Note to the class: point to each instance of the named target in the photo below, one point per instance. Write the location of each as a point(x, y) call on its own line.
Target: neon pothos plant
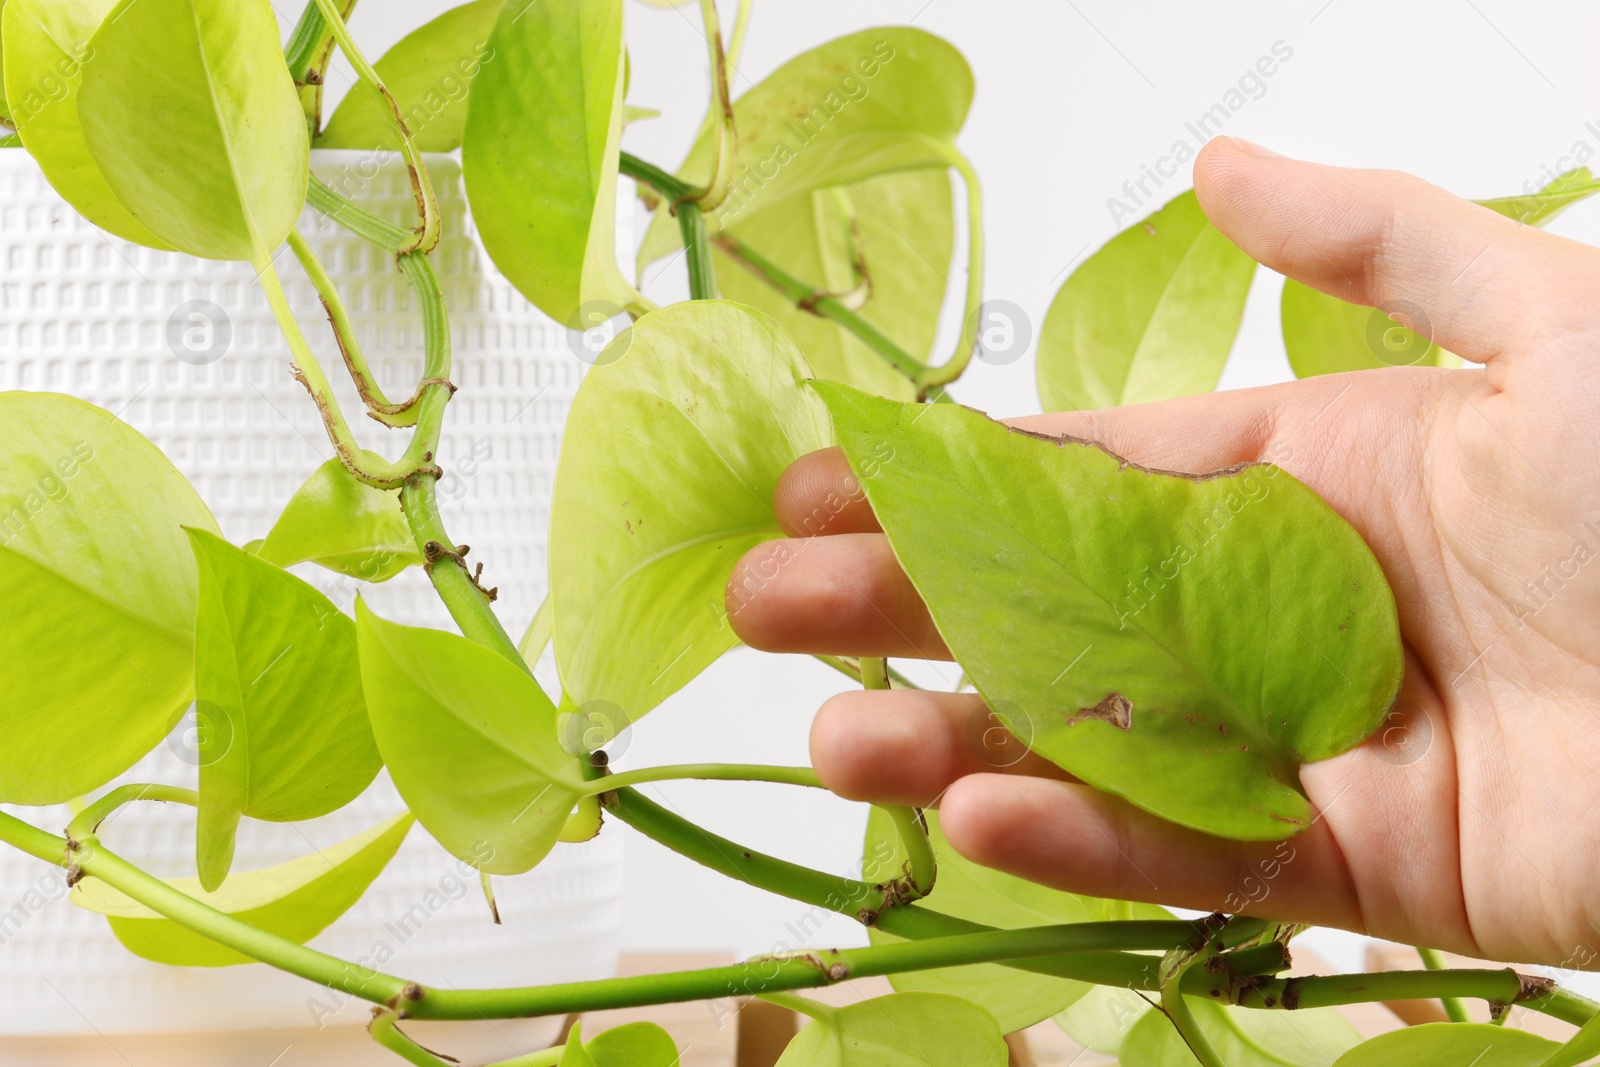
point(126, 605)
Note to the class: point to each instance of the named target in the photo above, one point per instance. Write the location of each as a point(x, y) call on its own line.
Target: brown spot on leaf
point(1115, 709)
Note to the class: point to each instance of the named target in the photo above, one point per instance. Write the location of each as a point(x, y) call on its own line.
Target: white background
point(1074, 97)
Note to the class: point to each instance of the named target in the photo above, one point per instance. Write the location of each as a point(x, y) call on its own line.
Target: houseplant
point(675, 443)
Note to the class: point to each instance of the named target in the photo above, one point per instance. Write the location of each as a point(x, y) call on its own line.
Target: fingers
point(907, 746)
point(1474, 281)
point(819, 495)
point(843, 595)
point(1075, 838)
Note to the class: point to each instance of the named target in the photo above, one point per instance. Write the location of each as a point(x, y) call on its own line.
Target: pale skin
point(1476, 834)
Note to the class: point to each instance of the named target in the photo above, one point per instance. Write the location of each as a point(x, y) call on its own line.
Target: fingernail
point(1252, 149)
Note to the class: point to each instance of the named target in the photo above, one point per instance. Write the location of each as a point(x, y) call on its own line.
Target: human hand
point(1479, 493)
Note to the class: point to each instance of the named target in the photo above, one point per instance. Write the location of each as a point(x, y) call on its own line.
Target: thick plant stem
point(87, 822)
point(697, 250)
point(932, 381)
point(459, 588)
point(823, 305)
point(426, 234)
point(379, 407)
point(719, 772)
point(1453, 1008)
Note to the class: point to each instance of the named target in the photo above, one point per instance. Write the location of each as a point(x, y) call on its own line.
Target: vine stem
point(87, 822)
point(679, 194)
point(720, 772)
point(931, 382)
point(1453, 1008)
point(306, 54)
point(921, 868)
point(457, 587)
point(395, 416)
point(426, 234)
point(719, 114)
point(809, 298)
point(850, 667)
point(366, 467)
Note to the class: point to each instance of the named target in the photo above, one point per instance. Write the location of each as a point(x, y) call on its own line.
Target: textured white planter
point(187, 352)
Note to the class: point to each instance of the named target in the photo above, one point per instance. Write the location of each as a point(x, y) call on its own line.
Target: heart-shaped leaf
point(899, 1030)
point(963, 889)
point(1192, 668)
point(1325, 335)
point(339, 523)
point(1246, 1037)
point(429, 73)
point(98, 585)
point(278, 685)
point(46, 44)
point(906, 228)
point(1452, 1045)
point(1151, 315)
point(539, 152)
point(471, 742)
point(193, 120)
point(296, 900)
point(673, 449)
point(874, 102)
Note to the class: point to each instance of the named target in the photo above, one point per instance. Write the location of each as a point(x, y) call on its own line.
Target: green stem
point(1453, 1008)
point(306, 54)
point(1179, 963)
point(352, 216)
point(388, 1035)
point(933, 380)
point(809, 298)
point(850, 667)
point(426, 234)
point(395, 416)
point(921, 869)
point(799, 1005)
point(10, 140)
point(697, 249)
point(88, 821)
point(741, 23)
point(457, 588)
point(719, 114)
point(720, 772)
point(671, 187)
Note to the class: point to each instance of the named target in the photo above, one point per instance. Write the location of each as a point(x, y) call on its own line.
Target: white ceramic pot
point(187, 352)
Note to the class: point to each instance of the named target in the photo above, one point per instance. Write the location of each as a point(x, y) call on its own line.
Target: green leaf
point(1585, 1045)
point(871, 103)
point(1247, 1037)
point(206, 147)
point(277, 680)
point(539, 152)
point(965, 890)
point(296, 900)
point(631, 1045)
point(98, 585)
point(471, 742)
point(1326, 335)
point(1535, 209)
point(1452, 1045)
point(673, 449)
point(338, 523)
point(1151, 315)
point(429, 73)
point(907, 234)
point(899, 1030)
point(46, 46)
point(1191, 669)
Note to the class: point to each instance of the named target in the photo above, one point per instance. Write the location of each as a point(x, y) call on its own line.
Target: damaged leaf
point(1219, 631)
